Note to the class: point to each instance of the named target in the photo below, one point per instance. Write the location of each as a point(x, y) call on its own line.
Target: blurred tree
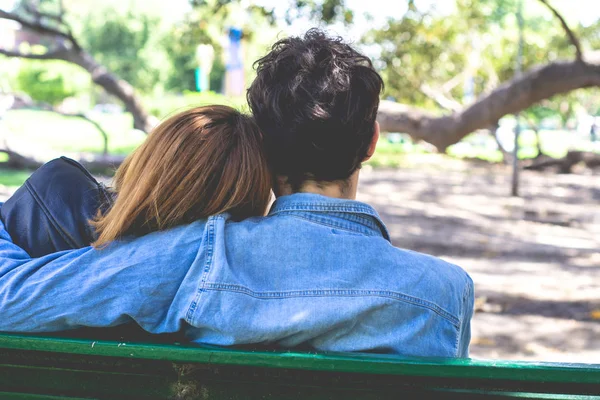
point(122, 42)
point(45, 34)
point(534, 116)
point(47, 83)
point(190, 32)
point(460, 64)
point(478, 41)
point(207, 23)
point(326, 11)
point(455, 63)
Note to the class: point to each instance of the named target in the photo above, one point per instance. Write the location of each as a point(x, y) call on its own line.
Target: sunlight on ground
point(534, 260)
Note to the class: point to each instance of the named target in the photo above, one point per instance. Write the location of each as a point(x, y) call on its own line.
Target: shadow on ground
point(535, 259)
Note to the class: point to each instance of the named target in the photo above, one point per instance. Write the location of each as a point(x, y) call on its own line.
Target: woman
point(200, 162)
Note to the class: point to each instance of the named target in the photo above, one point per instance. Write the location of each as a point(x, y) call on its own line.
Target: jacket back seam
point(335, 292)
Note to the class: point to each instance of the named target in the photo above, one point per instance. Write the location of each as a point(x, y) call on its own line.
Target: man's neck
point(337, 189)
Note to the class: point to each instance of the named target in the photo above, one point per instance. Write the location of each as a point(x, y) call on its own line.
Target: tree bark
point(120, 88)
point(565, 165)
point(104, 164)
point(511, 97)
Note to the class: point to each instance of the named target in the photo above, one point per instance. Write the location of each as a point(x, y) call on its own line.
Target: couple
point(182, 244)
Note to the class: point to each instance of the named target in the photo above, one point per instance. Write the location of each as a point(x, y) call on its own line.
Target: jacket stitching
point(209, 235)
point(80, 168)
point(332, 224)
point(366, 221)
point(377, 229)
point(326, 207)
point(338, 292)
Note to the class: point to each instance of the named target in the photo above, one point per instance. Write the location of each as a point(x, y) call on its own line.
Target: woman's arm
point(137, 280)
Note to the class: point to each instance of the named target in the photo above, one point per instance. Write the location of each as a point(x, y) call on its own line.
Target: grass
point(402, 153)
point(54, 131)
point(48, 130)
point(12, 178)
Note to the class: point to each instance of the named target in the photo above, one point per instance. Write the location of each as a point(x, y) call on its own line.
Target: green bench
point(54, 368)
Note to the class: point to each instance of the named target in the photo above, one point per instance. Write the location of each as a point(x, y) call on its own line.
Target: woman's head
point(198, 163)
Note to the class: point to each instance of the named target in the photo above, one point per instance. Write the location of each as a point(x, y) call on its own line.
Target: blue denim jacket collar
point(350, 215)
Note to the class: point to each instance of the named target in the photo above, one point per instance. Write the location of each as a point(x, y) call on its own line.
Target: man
point(318, 272)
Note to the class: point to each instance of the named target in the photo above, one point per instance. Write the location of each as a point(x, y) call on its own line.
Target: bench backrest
point(48, 368)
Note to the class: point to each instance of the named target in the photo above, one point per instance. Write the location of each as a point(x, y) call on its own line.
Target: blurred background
point(490, 157)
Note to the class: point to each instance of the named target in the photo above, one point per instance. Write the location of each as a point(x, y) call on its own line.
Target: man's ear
point(373, 144)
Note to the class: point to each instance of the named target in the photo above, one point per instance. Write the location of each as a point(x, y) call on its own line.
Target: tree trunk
point(493, 131)
point(115, 86)
point(513, 96)
point(538, 142)
point(104, 164)
point(565, 165)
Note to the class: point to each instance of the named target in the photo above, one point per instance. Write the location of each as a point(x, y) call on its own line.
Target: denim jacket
point(316, 272)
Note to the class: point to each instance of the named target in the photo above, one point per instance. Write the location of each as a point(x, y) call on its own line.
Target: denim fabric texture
point(317, 272)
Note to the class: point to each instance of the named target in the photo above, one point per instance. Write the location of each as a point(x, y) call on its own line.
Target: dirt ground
point(535, 260)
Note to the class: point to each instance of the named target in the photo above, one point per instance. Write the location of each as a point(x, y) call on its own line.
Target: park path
point(535, 260)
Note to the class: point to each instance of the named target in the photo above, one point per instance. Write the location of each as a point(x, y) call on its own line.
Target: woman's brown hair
point(198, 163)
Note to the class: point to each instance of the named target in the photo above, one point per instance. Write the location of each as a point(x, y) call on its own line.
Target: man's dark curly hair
point(315, 98)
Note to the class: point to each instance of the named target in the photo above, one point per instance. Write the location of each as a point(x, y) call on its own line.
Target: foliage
point(536, 114)
point(327, 11)
point(477, 42)
point(405, 69)
point(430, 50)
point(180, 45)
point(126, 45)
point(207, 23)
point(51, 82)
point(169, 103)
point(10, 177)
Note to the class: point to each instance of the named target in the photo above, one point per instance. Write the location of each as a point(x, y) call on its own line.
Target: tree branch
point(19, 161)
point(40, 28)
point(440, 98)
point(52, 55)
point(77, 55)
point(454, 82)
point(572, 37)
point(101, 164)
point(39, 15)
point(518, 94)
